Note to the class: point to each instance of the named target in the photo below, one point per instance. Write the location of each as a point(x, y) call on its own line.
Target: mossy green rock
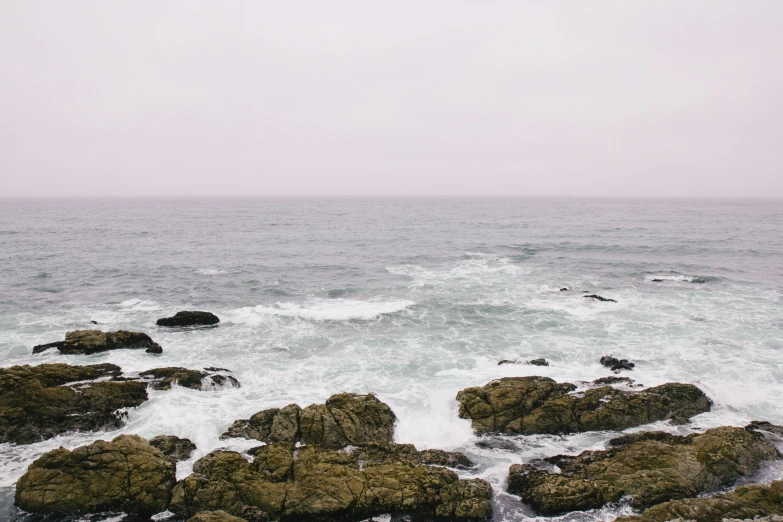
point(531, 405)
point(95, 341)
point(746, 502)
point(126, 474)
point(314, 483)
point(41, 402)
point(650, 468)
point(346, 418)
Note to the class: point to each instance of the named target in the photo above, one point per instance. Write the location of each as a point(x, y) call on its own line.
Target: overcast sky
point(577, 98)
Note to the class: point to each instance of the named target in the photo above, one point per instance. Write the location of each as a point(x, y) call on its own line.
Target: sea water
point(412, 300)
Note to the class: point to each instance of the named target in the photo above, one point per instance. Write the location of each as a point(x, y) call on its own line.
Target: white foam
point(210, 271)
point(325, 309)
point(139, 305)
point(679, 278)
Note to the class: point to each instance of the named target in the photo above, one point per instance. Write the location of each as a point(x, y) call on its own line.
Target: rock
point(746, 502)
point(656, 280)
point(314, 483)
point(647, 468)
point(530, 405)
point(599, 298)
point(497, 443)
point(616, 364)
point(95, 341)
point(94, 322)
point(215, 516)
point(539, 362)
point(174, 447)
point(613, 380)
point(346, 418)
point(564, 289)
point(126, 474)
point(507, 361)
point(213, 369)
point(765, 427)
point(41, 402)
point(163, 378)
point(189, 319)
point(375, 453)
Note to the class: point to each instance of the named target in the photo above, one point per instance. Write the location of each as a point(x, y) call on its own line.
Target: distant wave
point(679, 278)
point(328, 309)
point(209, 271)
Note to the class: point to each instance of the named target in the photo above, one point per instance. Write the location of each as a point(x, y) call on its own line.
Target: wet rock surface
point(215, 516)
point(41, 402)
point(346, 418)
point(599, 298)
point(531, 405)
point(164, 378)
point(649, 468)
point(744, 503)
point(314, 483)
point(172, 446)
point(126, 474)
point(534, 362)
point(615, 364)
point(95, 341)
point(189, 318)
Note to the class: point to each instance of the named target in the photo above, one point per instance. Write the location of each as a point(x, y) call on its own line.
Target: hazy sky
point(595, 98)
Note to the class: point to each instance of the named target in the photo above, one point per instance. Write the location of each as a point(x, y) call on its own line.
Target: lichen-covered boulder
point(314, 483)
point(745, 503)
point(189, 318)
point(378, 453)
point(163, 378)
point(215, 516)
point(126, 474)
point(530, 405)
point(173, 446)
point(41, 402)
point(346, 418)
point(95, 341)
point(648, 467)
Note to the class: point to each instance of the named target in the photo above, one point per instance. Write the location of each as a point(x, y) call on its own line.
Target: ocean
point(411, 299)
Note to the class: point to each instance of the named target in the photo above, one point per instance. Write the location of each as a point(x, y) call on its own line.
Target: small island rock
point(94, 341)
point(189, 318)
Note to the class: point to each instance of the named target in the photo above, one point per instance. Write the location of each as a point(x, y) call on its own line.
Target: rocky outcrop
point(313, 483)
point(95, 341)
point(189, 319)
point(599, 298)
point(375, 453)
point(649, 468)
point(163, 378)
point(346, 418)
point(126, 474)
point(534, 362)
point(41, 402)
point(215, 516)
point(746, 502)
point(174, 447)
point(615, 364)
point(530, 405)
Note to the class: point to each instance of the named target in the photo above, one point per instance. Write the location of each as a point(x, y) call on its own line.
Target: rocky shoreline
point(338, 461)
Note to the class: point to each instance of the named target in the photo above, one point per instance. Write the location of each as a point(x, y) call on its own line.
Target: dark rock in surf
point(746, 503)
point(656, 280)
point(41, 402)
point(534, 362)
point(126, 474)
point(564, 289)
point(531, 405)
point(163, 378)
point(539, 362)
point(94, 322)
point(313, 483)
point(346, 418)
point(615, 364)
point(191, 318)
point(507, 361)
point(603, 381)
point(647, 468)
point(94, 341)
point(174, 447)
point(213, 369)
point(599, 298)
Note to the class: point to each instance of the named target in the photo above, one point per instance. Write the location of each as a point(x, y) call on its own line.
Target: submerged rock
point(189, 319)
point(649, 468)
point(539, 362)
point(534, 362)
point(174, 447)
point(530, 405)
point(95, 341)
point(163, 378)
point(215, 516)
point(615, 364)
point(599, 298)
point(126, 474)
point(346, 418)
point(41, 402)
point(314, 483)
point(746, 502)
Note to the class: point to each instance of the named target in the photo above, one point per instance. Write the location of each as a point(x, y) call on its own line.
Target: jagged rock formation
point(126, 474)
point(615, 364)
point(174, 447)
point(163, 378)
point(530, 405)
point(41, 402)
point(346, 418)
point(314, 483)
point(95, 341)
point(189, 319)
point(650, 468)
point(534, 362)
